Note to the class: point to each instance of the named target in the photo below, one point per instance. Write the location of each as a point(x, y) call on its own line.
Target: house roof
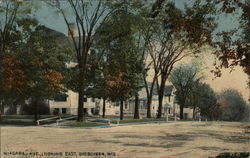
point(50, 32)
point(143, 94)
point(167, 91)
point(60, 37)
point(145, 98)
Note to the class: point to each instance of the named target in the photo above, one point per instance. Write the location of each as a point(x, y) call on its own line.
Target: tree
point(203, 99)
point(232, 104)
point(12, 12)
point(123, 67)
point(233, 47)
point(88, 16)
point(97, 77)
point(146, 29)
point(209, 107)
point(35, 72)
point(143, 28)
point(179, 33)
point(13, 80)
point(195, 97)
point(13, 26)
point(184, 78)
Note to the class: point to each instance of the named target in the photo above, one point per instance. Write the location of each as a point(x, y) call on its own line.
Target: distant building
point(68, 104)
point(168, 102)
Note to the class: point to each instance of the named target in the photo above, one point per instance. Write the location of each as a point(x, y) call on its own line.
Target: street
point(175, 139)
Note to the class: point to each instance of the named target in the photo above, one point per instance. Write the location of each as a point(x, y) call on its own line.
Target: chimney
point(72, 30)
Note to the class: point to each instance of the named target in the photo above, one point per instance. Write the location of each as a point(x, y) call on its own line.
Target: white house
point(68, 104)
point(169, 105)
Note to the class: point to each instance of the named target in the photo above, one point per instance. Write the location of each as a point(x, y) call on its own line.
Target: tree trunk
point(149, 107)
point(149, 97)
point(181, 111)
point(194, 112)
point(160, 106)
point(1, 110)
point(103, 107)
point(121, 110)
point(81, 96)
point(136, 113)
point(14, 108)
point(35, 104)
point(160, 95)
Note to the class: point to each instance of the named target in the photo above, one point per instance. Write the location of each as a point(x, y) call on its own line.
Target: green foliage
point(84, 124)
point(184, 78)
point(45, 54)
point(15, 26)
point(233, 47)
point(15, 18)
point(28, 109)
point(233, 106)
point(122, 71)
point(35, 67)
point(204, 98)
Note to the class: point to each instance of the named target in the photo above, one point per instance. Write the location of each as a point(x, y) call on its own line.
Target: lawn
point(114, 120)
point(17, 123)
point(141, 120)
point(83, 124)
point(104, 122)
point(27, 120)
point(30, 116)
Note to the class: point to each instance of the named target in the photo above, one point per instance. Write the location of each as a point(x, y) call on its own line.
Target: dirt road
point(175, 139)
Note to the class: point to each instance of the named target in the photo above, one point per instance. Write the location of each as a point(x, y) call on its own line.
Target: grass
point(141, 120)
point(117, 117)
point(84, 124)
point(105, 122)
point(130, 120)
point(14, 123)
point(31, 116)
point(102, 122)
point(27, 120)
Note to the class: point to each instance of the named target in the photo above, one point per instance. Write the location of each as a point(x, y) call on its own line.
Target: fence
point(47, 119)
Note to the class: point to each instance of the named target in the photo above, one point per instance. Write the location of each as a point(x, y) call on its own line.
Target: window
point(64, 110)
point(126, 104)
point(141, 103)
point(56, 111)
point(85, 110)
point(85, 99)
point(145, 104)
point(93, 99)
point(117, 103)
point(92, 111)
point(62, 97)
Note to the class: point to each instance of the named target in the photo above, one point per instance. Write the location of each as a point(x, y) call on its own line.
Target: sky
point(236, 79)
